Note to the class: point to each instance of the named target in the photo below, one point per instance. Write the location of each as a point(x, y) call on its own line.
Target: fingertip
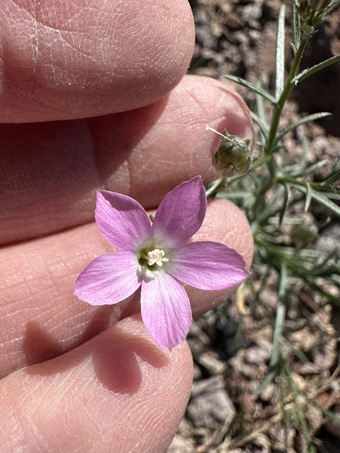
point(71, 60)
point(178, 147)
point(117, 392)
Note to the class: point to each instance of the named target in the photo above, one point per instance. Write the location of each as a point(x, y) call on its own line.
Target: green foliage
point(276, 192)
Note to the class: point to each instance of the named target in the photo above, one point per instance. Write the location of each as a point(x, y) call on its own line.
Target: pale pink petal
point(121, 220)
point(181, 212)
point(108, 279)
point(166, 310)
point(208, 265)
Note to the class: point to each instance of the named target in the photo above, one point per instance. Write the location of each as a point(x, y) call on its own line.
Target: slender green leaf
point(331, 7)
point(298, 170)
point(308, 72)
point(308, 196)
point(332, 196)
point(280, 54)
point(260, 161)
point(234, 195)
point(312, 168)
point(316, 287)
point(278, 330)
point(260, 108)
point(267, 380)
point(252, 87)
point(296, 27)
point(332, 178)
point(301, 121)
point(285, 203)
point(335, 418)
point(333, 193)
point(263, 127)
point(321, 198)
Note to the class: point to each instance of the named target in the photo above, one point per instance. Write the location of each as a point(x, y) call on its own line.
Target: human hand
point(99, 383)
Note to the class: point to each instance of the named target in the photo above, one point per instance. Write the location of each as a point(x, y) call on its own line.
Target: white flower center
point(156, 256)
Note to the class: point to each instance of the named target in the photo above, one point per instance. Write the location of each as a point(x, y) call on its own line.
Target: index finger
point(51, 171)
point(66, 60)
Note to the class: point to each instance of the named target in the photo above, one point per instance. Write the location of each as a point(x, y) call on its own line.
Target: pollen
point(156, 256)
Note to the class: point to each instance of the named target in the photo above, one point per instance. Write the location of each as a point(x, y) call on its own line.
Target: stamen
point(156, 256)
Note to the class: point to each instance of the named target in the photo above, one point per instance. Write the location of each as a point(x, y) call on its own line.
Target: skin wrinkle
point(198, 102)
point(32, 39)
point(76, 169)
point(86, 150)
point(69, 61)
point(30, 431)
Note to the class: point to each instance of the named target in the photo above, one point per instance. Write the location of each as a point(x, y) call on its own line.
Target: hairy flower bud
point(232, 155)
point(313, 11)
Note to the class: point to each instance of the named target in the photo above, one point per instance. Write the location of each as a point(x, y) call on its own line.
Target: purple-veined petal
point(181, 212)
point(208, 265)
point(121, 220)
point(108, 279)
point(166, 310)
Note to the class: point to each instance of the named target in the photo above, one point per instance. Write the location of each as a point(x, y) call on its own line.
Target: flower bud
point(232, 155)
point(313, 11)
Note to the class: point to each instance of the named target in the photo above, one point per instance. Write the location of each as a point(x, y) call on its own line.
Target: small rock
point(258, 354)
point(211, 363)
point(269, 393)
point(329, 239)
point(210, 405)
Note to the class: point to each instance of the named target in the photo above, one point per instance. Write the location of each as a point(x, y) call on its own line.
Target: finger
point(40, 317)
point(50, 172)
point(110, 394)
point(70, 60)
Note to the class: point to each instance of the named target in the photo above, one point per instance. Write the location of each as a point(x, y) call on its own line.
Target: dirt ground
point(232, 351)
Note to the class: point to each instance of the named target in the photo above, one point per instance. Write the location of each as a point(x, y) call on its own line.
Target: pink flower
point(157, 257)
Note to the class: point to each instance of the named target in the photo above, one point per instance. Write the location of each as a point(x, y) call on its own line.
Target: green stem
point(212, 190)
point(271, 142)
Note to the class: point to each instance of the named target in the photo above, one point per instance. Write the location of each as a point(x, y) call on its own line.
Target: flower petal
point(208, 265)
point(181, 212)
point(166, 310)
point(121, 220)
point(108, 279)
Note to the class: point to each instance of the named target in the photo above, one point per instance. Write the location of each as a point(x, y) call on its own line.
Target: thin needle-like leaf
point(306, 119)
point(260, 107)
point(308, 197)
point(312, 168)
point(321, 198)
point(252, 87)
point(296, 28)
point(285, 203)
point(280, 54)
point(308, 72)
point(332, 178)
point(331, 7)
point(278, 329)
point(263, 127)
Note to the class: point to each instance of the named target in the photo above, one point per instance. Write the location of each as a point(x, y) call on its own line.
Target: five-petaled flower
point(157, 257)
